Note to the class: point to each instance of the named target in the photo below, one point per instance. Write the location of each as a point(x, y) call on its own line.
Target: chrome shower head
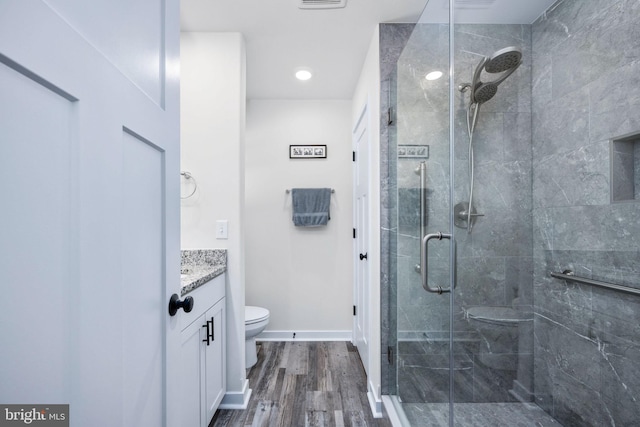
point(484, 92)
point(503, 60)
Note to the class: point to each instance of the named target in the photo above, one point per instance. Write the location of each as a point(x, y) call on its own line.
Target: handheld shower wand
point(504, 61)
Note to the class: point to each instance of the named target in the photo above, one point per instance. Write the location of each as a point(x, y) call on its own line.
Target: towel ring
point(187, 175)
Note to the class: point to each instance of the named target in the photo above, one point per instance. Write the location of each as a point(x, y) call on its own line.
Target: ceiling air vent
point(322, 4)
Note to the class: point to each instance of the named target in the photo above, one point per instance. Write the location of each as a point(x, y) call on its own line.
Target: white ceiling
point(487, 11)
point(333, 43)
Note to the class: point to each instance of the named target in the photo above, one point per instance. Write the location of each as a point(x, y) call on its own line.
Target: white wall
point(212, 149)
point(368, 93)
point(302, 275)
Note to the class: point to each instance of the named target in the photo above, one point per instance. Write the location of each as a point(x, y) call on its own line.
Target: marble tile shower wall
point(586, 90)
point(423, 119)
point(494, 261)
point(636, 170)
point(585, 77)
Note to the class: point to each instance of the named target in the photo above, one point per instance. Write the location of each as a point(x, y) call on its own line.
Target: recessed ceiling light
point(303, 74)
point(434, 75)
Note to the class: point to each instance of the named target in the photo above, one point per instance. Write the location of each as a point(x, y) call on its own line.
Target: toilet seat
point(496, 315)
point(254, 314)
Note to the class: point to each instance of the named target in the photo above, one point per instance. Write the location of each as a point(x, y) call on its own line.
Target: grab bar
point(424, 267)
point(568, 275)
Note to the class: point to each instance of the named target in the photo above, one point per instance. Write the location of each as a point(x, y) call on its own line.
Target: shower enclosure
point(507, 168)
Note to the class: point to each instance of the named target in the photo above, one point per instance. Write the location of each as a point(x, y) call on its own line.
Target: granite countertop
point(199, 266)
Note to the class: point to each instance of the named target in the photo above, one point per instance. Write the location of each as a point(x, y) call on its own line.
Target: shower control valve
point(461, 214)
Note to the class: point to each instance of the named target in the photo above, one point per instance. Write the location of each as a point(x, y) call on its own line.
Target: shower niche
point(625, 168)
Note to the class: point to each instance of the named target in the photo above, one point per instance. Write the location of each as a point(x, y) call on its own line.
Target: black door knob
point(363, 256)
point(175, 304)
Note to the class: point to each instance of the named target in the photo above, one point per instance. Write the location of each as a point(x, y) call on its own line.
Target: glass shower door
point(492, 203)
point(517, 163)
point(463, 173)
point(421, 139)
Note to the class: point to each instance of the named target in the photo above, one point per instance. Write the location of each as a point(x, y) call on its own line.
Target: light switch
point(222, 229)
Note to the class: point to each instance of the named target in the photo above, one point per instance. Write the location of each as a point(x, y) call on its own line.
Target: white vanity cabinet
point(203, 380)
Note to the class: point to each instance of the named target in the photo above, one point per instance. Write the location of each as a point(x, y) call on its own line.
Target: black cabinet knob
point(363, 256)
point(175, 304)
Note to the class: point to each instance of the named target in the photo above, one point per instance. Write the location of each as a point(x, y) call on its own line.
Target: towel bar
point(568, 275)
point(289, 191)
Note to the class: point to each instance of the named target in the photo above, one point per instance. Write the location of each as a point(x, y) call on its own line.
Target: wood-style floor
point(298, 384)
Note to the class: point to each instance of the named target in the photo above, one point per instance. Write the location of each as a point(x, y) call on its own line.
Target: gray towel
point(310, 206)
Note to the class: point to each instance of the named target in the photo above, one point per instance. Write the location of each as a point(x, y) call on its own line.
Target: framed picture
point(413, 151)
point(307, 151)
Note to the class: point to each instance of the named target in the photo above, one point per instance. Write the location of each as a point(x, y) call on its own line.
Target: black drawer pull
point(210, 331)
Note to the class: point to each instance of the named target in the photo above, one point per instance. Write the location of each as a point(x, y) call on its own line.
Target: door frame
point(361, 297)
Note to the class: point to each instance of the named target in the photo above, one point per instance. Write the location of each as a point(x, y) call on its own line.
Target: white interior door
point(89, 229)
point(361, 212)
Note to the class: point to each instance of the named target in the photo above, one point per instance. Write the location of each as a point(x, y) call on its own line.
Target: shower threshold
point(475, 415)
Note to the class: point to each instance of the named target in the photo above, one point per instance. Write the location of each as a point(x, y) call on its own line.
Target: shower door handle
point(424, 262)
point(422, 171)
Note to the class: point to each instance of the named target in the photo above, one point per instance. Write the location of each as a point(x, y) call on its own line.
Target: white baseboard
point(376, 405)
point(237, 399)
point(304, 336)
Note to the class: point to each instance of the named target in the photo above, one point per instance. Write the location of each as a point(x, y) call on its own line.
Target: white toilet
point(255, 320)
